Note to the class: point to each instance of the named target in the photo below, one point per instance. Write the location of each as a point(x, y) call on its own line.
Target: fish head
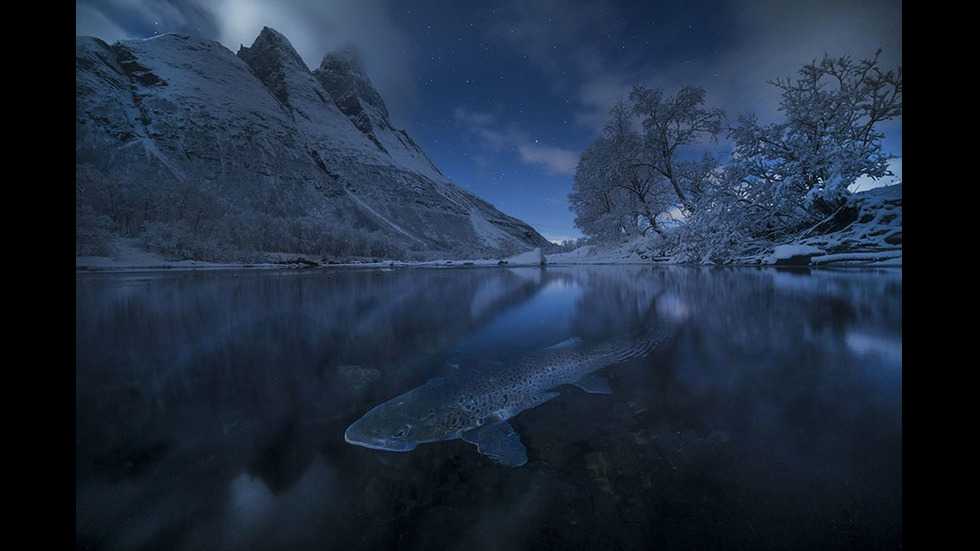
point(400, 424)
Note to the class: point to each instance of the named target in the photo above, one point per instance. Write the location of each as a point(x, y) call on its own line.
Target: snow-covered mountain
point(196, 150)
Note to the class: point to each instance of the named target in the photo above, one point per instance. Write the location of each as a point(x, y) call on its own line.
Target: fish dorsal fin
point(498, 441)
point(594, 383)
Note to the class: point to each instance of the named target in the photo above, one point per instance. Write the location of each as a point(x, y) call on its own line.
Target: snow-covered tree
point(615, 193)
point(669, 124)
point(602, 208)
point(830, 136)
point(632, 175)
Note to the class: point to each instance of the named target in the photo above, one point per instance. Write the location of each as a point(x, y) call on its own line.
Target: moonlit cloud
point(113, 20)
point(555, 160)
point(474, 119)
point(92, 22)
point(495, 136)
point(596, 97)
point(313, 27)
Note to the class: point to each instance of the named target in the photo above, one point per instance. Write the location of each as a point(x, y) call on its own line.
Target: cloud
point(92, 22)
point(484, 127)
point(776, 38)
point(597, 95)
point(316, 27)
point(558, 34)
point(496, 136)
point(597, 49)
point(555, 160)
point(572, 41)
point(113, 20)
point(474, 120)
point(313, 27)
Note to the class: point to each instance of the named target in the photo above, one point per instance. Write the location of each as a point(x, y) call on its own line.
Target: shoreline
point(110, 265)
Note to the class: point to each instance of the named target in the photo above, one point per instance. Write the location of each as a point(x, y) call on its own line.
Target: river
point(210, 410)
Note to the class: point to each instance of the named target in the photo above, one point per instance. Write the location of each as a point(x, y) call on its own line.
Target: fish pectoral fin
point(593, 383)
point(498, 441)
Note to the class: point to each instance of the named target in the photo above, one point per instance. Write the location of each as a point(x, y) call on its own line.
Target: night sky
point(504, 96)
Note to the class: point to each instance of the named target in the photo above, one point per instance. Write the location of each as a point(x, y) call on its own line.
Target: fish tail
point(644, 344)
point(634, 349)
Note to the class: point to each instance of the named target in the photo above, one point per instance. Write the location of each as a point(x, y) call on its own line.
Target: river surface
point(210, 410)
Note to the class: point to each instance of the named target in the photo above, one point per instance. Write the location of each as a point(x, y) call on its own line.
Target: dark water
point(210, 409)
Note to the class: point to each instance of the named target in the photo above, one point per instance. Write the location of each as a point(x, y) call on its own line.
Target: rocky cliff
point(202, 153)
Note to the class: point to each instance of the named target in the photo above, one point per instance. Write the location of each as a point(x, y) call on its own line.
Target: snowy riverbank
point(874, 238)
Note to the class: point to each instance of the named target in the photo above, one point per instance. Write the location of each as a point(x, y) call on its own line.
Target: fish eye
point(402, 431)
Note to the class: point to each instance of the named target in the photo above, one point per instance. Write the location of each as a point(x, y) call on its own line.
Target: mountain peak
point(342, 74)
point(349, 57)
point(271, 58)
point(272, 42)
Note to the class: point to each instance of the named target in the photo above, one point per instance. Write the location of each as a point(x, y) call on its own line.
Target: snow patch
point(859, 258)
point(491, 235)
point(787, 252)
point(531, 258)
point(393, 225)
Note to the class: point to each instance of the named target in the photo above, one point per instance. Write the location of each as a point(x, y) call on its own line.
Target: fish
point(475, 406)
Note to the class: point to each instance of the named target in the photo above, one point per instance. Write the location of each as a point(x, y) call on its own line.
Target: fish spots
point(454, 421)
